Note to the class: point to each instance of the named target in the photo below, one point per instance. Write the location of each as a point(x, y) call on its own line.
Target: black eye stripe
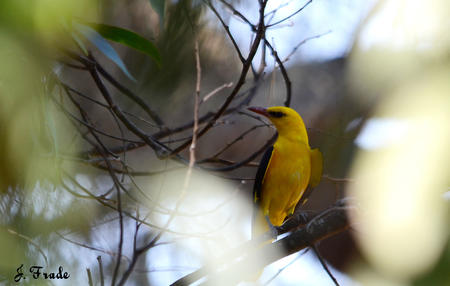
point(276, 114)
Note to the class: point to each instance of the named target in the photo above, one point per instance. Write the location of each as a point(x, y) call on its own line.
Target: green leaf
point(158, 6)
point(127, 38)
point(97, 39)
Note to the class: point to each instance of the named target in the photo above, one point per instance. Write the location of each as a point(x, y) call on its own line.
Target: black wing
point(263, 164)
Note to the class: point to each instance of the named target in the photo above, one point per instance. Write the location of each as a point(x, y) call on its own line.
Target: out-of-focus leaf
point(158, 6)
point(95, 38)
point(128, 38)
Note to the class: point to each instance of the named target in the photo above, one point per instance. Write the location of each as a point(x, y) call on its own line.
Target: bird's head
point(287, 121)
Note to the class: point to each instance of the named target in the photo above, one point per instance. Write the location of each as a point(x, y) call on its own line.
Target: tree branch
point(252, 256)
point(284, 73)
point(260, 32)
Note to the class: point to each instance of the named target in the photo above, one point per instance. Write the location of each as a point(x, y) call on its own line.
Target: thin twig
point(100, 269)
point(324, 264)
point(153, 115)
point(103, 150)
point(338, 180)
point(238, 14)
point(214, 92)
point(196, 108)
point(110, 253)
point(290, 16)
point(90, 283)
point(284, 73)
point(131, 216)
point(88, 124)
point(245, 161)
point(103, 104)
point(227, 29)
point(160, 149)
point(237, 139)
point(31, 242)
point(274, 11)
point(89, 62)
point(303, 42)
point(139, 251)
point(204, 118)
point(284, 267)
point(260, 32)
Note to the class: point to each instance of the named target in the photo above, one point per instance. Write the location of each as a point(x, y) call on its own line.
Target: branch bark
point(307, 229)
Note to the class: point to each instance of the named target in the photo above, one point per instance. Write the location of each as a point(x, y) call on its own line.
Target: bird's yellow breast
point(286, 179)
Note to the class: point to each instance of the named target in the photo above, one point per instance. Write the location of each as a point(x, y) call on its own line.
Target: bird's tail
point(260, 226)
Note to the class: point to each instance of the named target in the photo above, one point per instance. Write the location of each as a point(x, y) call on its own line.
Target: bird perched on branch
point(286, 170)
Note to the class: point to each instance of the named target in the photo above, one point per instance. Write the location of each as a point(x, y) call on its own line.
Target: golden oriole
point(285, 171)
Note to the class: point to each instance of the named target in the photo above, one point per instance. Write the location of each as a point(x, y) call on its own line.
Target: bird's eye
point(276, 114)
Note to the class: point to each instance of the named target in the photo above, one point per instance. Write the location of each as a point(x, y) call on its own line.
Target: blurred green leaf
point(96, 38)
point(128, 38)
point(158, 6)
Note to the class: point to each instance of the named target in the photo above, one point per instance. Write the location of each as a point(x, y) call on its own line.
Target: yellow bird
point(286, 170)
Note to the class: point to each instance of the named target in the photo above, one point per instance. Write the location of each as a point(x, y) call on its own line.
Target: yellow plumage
point(286, 170)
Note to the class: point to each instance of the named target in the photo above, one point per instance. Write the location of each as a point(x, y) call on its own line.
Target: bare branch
point(139, 251)
point(160, 149)
point(90, 283)
point(215, 91)
point(13, 232)
point(284, 73)
point(89, 62)
point(110, 253)
point(338, 180)
point(243, 261)
point(204, 118)
point(227, 29)
point(260, 32)
point(196, 109)
point(290, 16)
point(284, 267)
point(238, 14)
point(245, 161)
point(274, 11)
point(100, 269)
point(303, 42)
point(324, 264)
point(237, 139)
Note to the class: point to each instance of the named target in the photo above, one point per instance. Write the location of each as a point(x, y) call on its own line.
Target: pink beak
point(259, 110)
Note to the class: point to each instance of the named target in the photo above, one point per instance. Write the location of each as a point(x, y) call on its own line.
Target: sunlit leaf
point(102, 44)
point(128, 38)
